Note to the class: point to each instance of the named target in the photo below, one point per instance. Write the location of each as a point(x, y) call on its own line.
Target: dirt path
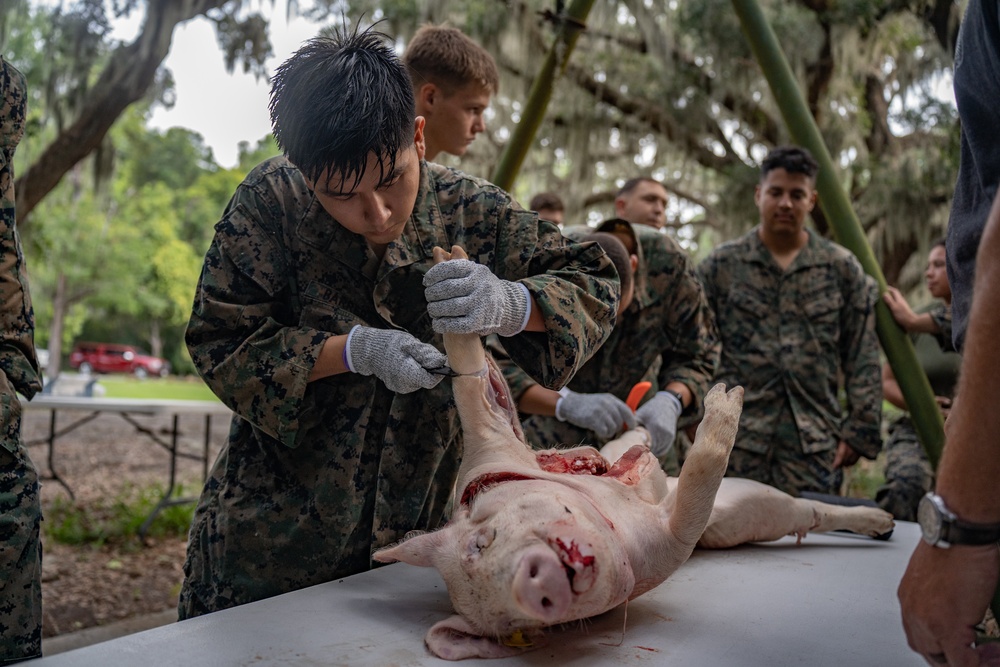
point(85, 586)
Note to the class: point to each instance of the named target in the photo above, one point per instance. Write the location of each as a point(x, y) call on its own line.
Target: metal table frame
point(126, 408)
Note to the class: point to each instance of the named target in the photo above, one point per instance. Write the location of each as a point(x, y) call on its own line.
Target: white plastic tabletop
point(831, 601)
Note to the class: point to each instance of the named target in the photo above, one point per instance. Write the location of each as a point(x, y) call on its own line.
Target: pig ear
point(416, 549)
point(455, 639)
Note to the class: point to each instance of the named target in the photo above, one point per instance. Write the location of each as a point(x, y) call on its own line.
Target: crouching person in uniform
point(318, 320)
point(20, 508)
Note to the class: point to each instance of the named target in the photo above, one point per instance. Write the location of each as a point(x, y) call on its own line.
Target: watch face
point(929, 519)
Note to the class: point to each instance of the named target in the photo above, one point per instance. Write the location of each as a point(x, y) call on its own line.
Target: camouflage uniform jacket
point(20, 509)
point(316, 475)
point(666, 334)
point(17, 321)
point(790, 335)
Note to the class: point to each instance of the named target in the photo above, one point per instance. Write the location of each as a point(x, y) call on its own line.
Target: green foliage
point(864, 478)
point(169, 388)
point(116, 520)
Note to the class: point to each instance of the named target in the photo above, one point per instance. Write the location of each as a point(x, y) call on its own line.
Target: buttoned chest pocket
point(747, 317)
point(327, 309)
point(822, 307)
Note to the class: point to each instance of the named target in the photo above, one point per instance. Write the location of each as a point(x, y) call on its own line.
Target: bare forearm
point(537, 400)
point(890, 388)
point(331, 359)
point(923, 323)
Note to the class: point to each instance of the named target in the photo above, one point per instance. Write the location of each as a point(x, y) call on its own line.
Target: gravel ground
point(86, 586)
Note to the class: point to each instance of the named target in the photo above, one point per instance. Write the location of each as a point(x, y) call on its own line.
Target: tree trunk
point(60, 303)
point(155, 339)
point(126, 79)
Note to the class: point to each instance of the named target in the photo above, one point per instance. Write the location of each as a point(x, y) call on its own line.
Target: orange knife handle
point(638, 391)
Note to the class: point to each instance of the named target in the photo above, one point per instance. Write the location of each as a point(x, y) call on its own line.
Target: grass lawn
point(173, 388)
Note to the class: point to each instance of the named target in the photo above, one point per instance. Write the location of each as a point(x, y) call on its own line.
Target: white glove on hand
point(393, 356)
point(465, 297)
point(659, 415)
point(603, 414)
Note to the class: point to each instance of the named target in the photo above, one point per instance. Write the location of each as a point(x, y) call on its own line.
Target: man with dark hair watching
point(795, 313)
point(549, 206)
point(642, 201)
point(318, 320)
point(453, 81)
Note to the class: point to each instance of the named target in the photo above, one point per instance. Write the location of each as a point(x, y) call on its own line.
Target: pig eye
point(482, 540)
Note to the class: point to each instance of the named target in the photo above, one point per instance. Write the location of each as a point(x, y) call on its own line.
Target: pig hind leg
point(748, 511)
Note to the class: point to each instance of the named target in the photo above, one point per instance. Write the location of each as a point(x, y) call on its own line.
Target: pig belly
point(748, 511)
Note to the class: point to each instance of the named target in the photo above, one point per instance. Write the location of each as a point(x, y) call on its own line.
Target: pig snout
point(547, 578)
point(541, 588)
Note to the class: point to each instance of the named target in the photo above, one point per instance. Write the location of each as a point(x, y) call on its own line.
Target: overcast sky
point(224, 108)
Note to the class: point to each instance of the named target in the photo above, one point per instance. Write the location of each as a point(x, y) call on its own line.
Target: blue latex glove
point(603, 414)
point(465, 297)
point(659, 415)
point(395, 357)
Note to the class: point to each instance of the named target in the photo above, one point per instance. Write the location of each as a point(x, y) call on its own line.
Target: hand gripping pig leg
point(491, 428)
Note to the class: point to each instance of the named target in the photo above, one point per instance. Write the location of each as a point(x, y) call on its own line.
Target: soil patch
point(90, 585)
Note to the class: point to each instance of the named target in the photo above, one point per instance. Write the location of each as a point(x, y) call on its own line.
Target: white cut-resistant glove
point(395, 357)
point(603, 414)
point(659, 415)
point(465, 297)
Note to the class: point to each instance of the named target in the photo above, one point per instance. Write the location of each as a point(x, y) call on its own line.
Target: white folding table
point(829, 602)
point(127, 408)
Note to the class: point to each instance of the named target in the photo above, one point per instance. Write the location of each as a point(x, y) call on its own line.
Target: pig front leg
point(748, 511)
point(705, 466)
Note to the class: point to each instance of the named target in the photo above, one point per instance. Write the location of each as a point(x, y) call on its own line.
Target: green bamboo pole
point(833, 200)
point(568, 31)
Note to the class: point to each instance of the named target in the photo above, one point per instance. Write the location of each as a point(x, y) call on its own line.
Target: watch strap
point(964, 532)
point(677, 395)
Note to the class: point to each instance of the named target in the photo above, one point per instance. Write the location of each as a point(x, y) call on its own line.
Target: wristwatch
point(677, 395)
point(941, 528)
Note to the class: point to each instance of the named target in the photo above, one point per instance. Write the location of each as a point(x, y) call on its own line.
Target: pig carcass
point(539, 538)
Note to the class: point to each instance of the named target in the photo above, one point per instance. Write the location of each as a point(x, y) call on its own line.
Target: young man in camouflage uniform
point(642, 201)
point(318, 318)
point(20, 509)
point(908, 473)
point(666, 335)
point(795, 313)
point(453, 81)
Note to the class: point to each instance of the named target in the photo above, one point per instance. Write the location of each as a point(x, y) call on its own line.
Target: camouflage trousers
point(786, 467)
point(20, 557)
point(908, 473)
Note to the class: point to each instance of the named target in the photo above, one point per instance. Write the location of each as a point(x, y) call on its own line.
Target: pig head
point(542, 538)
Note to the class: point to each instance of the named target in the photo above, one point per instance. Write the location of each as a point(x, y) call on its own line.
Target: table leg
point(52, 450)
point(166, 500)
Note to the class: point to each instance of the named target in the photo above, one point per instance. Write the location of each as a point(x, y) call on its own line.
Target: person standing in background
point(796, 314)
point(20, 506)
point(908, 473)
point(549, 206)
point(642, 201)
point(453, 81)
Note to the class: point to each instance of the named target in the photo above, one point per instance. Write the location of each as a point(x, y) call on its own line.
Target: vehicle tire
point(85, 368)
point(140, 372)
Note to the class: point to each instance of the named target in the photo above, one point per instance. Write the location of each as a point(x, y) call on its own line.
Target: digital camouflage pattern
point(666, 334)
point(787, 338)
point(315, 476)
point(908, 473)
point(20, 509)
